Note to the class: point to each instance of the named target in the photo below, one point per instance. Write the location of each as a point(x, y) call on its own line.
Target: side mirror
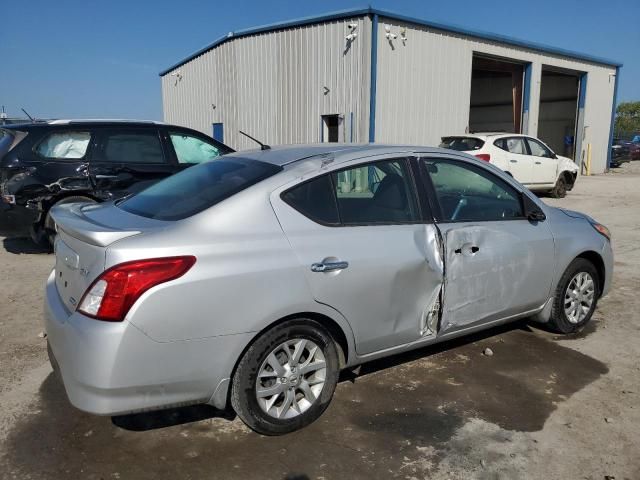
point(531, 210)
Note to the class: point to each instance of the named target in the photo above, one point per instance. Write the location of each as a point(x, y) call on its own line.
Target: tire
point(277, 419)
point(560, 321)
point(47, 232)
point(560, 190)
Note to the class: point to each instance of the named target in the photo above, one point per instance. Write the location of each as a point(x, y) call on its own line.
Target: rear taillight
point(114, 292)
point(483, 156)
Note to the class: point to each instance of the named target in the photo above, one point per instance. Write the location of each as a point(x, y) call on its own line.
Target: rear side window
point(315, 199)
point(131, 147)
point(64, 145)
point(6, 139)
point(375, 193)
point(197, 188)
point(461, 144)
point(190, 149)
point(512, 145)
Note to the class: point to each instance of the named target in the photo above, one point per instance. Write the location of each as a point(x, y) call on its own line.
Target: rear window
point(461, 144)
point(6, 139)
point(197, 188)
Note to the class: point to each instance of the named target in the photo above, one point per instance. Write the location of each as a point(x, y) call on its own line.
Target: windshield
point(197, 188)
point(461, 144)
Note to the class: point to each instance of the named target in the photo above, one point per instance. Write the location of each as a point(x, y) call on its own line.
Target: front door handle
point(513, 161)
point(106, 177)
point(328, 266)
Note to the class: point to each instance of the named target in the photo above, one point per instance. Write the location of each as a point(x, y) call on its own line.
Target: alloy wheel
point(579, 297)
point(291, 378)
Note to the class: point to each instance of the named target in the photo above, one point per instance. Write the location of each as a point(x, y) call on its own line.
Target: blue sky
point(73, 58)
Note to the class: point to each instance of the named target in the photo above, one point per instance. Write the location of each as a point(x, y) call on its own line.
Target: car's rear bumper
point(114, 368)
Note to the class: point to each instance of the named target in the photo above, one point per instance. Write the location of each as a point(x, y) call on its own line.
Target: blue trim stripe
point(613, 115)
point(351, 126)
point(218, 132)
point(374, 78)
point(526, 95)
point(582, 98)
point(342, 14)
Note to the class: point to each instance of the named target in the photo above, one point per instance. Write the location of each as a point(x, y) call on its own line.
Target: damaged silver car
point(253, 279)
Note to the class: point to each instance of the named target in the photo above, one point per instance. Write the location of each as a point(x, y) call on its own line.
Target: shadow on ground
point(381, 420)
point(16, 238)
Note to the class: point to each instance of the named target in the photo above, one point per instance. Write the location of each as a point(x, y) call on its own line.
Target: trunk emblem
point(84, 272)
point(72, 301)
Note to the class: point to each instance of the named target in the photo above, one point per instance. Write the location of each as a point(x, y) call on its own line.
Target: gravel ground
point(542, 406)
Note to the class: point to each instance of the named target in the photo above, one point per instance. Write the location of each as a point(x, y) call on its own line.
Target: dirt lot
point(541, 407)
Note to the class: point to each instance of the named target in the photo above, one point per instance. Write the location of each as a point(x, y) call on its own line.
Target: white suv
point(527, 159)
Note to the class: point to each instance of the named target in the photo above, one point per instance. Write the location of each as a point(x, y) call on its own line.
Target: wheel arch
point(569, 178)
point(333, 327)
point(63, 195)
point(596, 259)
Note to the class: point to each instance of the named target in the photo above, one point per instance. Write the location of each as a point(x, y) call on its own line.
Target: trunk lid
point(85, 231)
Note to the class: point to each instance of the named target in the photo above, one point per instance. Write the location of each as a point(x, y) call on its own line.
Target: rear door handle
point(538, 163)
point(513, 161)
point(328, 266)
point(106, 177)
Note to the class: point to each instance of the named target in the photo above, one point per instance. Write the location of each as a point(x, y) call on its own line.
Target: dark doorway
point(496, 95)
point(557, 118)
point(331, 131)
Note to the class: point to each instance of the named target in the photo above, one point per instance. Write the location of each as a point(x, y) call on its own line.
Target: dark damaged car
point(66, 161)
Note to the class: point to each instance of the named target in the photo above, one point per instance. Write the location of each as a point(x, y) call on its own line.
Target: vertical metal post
point(374, 78)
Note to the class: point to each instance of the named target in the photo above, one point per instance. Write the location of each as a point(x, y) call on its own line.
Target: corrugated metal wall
point(271, 85)
point(424, 87)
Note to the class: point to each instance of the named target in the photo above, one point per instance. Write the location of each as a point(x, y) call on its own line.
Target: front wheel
point(286, 378)
point(576, 297)
point(560, 190)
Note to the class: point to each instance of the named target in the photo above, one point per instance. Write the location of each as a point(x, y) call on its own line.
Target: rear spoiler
point(70, 219)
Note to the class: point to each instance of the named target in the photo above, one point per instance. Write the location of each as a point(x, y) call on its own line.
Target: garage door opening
point(496, 95)
point(558, 117)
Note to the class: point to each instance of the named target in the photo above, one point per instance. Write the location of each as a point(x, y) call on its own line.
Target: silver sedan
point(253, 279)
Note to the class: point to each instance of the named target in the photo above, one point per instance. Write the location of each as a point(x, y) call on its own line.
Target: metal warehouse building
point(374, 76)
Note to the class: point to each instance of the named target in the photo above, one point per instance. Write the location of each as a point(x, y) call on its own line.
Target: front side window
point(467, 193)
point(131, 147)
point(538, 149)
point(191, 149)
point(512, 145)
point(197, 188)
point(64, 145)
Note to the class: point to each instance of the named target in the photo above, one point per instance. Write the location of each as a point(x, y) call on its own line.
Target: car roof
point(101, 121)
point(287, 154)
point(486, 135)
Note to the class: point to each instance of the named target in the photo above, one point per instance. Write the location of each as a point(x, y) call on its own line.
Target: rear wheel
point(576, 297)
point(286, 379)
point(560, 190)
point(46, 234)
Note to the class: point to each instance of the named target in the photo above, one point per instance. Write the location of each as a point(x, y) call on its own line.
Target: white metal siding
point(271, 85)
point(424, 87)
